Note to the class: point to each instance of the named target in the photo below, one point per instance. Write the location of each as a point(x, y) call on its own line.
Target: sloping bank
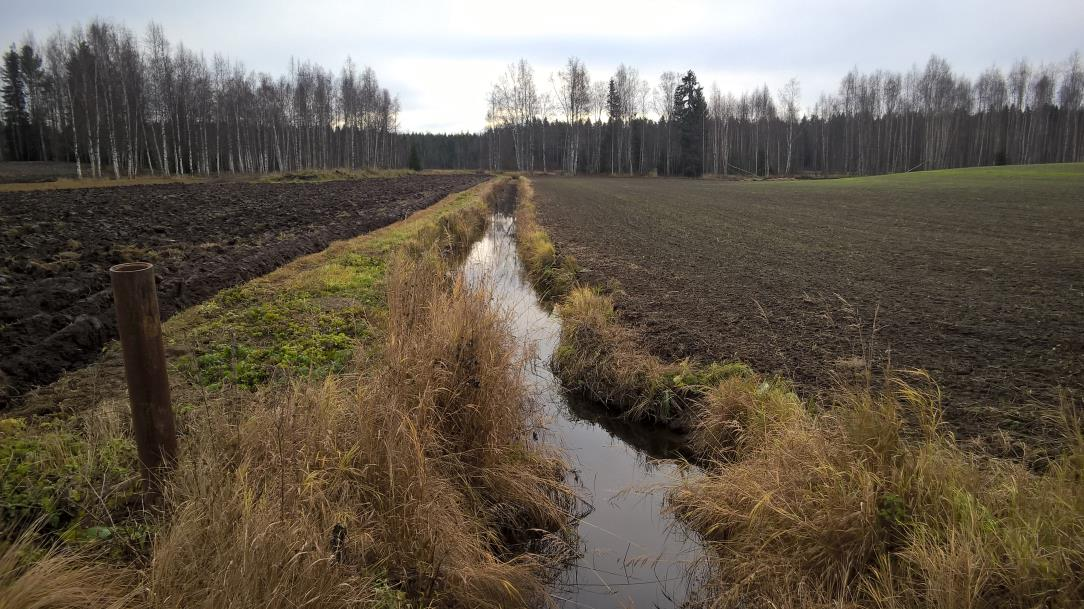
point(863, 500)
point(354, 432)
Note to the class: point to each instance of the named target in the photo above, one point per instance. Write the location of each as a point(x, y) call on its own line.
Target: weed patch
point(846, 508)
point(63, 479)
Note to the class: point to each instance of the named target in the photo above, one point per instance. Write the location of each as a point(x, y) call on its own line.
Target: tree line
point(878, 122)
point(112, 102)
point(115, 103)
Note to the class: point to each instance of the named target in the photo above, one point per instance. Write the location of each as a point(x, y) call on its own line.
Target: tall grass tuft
point(848, 508)
point(740, 413)
point(31, 578)
point(601, 359)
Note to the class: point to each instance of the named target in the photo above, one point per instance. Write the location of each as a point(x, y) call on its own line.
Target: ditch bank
point(388, 464)
point(862, 499)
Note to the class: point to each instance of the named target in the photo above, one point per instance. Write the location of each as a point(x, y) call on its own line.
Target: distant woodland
point(121, 104)
point(118, 104)
point(879, 122)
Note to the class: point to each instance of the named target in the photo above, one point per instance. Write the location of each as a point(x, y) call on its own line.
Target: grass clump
point(740, 412)
point(553, 276)
point(54, 579)
point(599, 359)
point(848, 508)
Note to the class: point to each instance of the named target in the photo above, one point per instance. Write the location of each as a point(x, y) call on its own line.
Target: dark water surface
point(632, 555)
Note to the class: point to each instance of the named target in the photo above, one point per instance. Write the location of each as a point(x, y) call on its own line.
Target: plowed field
point(56, 247)
point(974, 275)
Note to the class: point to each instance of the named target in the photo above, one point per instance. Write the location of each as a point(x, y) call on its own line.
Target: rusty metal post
point(145, 369)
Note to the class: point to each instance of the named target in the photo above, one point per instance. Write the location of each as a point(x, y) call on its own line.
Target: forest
point(879, 122)
point(116, 103)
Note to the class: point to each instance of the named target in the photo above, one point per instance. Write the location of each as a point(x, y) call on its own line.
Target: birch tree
point(789, 97)
point(663, 103)
point(574, 86)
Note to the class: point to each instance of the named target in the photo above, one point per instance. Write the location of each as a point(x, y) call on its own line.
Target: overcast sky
point(442, 58)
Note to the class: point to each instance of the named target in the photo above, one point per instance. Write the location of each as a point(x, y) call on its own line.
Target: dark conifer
point(13, 92)
point(415, 162)
point(690, 113)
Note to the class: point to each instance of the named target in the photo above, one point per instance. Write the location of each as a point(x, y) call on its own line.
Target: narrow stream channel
point(631, 555)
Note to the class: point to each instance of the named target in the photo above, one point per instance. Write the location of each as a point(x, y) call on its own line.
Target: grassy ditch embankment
point(864, 499)
point(354, 432)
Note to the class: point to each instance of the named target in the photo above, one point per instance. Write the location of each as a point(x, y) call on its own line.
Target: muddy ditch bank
point(56, 248)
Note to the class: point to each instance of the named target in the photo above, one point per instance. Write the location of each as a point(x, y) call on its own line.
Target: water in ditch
point(631, 556)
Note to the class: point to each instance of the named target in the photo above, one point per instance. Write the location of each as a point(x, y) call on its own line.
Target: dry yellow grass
point(553, 276)
point(31, 578)
point(847, 508)
point(103, 182)
point(599, 358)
point(596, 357)
point(741, 413)
point(423, 463)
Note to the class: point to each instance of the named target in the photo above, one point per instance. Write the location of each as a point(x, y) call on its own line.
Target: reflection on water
point(630, 557)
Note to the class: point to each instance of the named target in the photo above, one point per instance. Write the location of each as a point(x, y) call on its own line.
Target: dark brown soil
point(976, 276)
point(56, 247)
point(17, 172)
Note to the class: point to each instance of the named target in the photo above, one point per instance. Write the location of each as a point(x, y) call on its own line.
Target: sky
point(441, 58)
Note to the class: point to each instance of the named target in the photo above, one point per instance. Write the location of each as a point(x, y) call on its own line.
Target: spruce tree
point(33, 76)
point(414, 162)
point(13, 92)
point(613, 109)
point(690, 113)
